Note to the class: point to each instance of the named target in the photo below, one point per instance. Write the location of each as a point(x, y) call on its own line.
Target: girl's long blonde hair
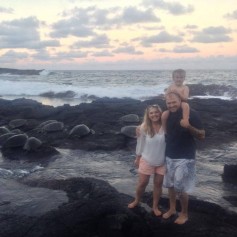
point(147, 124)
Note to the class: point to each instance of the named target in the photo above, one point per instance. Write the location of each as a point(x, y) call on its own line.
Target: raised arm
point(197, 133)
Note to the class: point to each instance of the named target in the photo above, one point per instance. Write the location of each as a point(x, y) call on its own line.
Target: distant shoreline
point(20, 71)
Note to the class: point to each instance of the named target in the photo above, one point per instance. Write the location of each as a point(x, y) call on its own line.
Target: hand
point(138, 131)
point(184, 123)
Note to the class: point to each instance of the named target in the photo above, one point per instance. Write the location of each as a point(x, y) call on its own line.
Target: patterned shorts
point(180, 175)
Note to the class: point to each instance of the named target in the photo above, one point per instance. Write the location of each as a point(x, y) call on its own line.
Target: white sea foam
point(86, 84)
point(45, 73)
point(213, 97)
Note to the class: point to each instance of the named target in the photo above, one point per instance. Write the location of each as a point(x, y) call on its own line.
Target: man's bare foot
point(182, 219)
point(168, 214)
point(133, 204)
point(157, 212)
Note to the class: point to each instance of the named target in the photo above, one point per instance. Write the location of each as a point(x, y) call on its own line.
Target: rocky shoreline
point(20, 71)
point(91, 207)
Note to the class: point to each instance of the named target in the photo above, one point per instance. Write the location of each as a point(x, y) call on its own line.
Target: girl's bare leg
point(141, 186)
point(157, 191)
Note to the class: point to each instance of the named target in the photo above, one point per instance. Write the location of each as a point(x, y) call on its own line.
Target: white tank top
point(152, 149)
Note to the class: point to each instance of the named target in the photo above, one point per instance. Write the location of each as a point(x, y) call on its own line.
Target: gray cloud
point(69, 27)
point(12, 56)
point(164, 50)
point(82, 22)
point(134, 15)
point(218, 62)
point(22, 33)
point(103, 53)
point(174, 8)
point(71, 55)
point(191, 27)
point(6, 10)
point(128, 50)
point(100, 41)
point(185, 49)
point(232, 15)
point(42, 55)
point(212, 35)
point(162, 37)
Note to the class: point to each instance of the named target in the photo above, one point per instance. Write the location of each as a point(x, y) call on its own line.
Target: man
point(180, 155)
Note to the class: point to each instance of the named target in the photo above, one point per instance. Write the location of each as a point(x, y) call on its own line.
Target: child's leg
point(164, 118)
point(186, 110)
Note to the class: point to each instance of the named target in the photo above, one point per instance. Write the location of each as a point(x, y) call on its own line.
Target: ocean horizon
point(58, 87)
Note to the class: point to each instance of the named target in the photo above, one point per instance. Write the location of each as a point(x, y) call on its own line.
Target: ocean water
point(73, 87)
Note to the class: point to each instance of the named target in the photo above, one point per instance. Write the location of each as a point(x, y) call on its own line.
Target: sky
point(118, 34)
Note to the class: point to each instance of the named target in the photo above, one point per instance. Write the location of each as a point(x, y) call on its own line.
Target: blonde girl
point(150, 156)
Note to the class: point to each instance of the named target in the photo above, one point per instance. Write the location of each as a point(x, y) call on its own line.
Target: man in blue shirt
point(180, 155)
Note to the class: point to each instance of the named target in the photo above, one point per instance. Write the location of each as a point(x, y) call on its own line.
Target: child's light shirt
point(152, 149)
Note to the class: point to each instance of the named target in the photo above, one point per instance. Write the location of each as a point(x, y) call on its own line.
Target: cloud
point(162, 37)
point(12, 56)
point(65, 28)
point(128, 50)
point(103, 53)
point(185, 49)
point(212, 35)
point(6, 10)
point(134, 15)
point(232, 15)
point(164, 50)
point(191, 27)
point(99, 41)
point(82, 22)
point(180, 49)
point(71, 55)
point(214, 62)
point(23, 33)
point(174, 8)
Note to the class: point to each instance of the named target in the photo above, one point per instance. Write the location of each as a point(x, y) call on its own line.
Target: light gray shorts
point(180, 175)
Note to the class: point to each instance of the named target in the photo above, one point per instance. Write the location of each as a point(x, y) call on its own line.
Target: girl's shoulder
point(162, 131)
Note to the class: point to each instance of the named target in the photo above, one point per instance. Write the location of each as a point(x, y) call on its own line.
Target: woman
point(150, 156)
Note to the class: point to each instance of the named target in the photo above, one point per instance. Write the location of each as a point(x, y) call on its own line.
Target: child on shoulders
point(183, 91)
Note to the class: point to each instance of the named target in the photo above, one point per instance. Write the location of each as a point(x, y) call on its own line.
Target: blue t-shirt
point(180, 143)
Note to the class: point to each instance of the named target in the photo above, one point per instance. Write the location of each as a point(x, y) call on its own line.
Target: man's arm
point(194, 126)
point(197, 133)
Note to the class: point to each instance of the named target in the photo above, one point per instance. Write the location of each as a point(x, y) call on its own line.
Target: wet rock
point(4, 130)
point(53, 127)
point(129, 131)
point(44, 152)
point(46, 122)
point(131, 118)
point(79, 130)
point(17, 123)
point(32, 144)
point(104, 117)
point(5, 137)
point(94, 208)
point(20, 71)
point(18, 140)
